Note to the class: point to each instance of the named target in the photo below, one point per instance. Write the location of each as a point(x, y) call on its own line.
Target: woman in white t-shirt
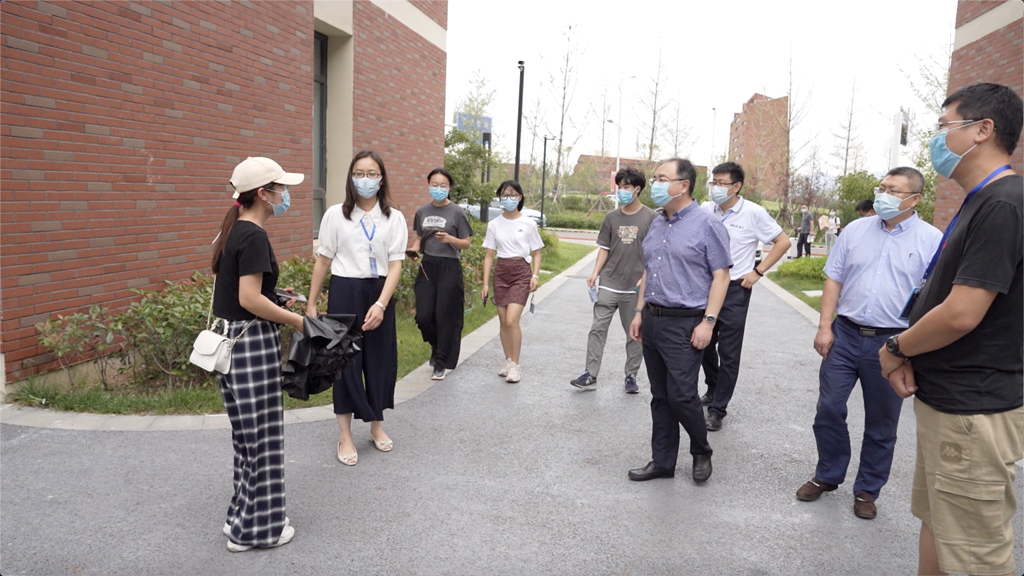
point(517, 243)
point(362, 244)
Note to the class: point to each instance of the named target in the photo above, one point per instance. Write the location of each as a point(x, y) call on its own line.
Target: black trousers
point(440, 297)
point(803, 243)
point(367, 385)
point(722, 356)
point(673, 367)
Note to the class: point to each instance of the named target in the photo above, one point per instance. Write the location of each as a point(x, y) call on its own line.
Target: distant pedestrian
point(876, 263)
point(616, 277)
point(866, 208)
point(362, 244)
point(747, 224)
point(832, 231)
point(246, 276)
point(962, 354)
point(686, 277)
point(803, 243)
point(517, 244)
point(442, 233)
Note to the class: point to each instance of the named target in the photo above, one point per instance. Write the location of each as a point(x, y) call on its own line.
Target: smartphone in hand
point(412, 254)
point(485, 301)
point(283, 296)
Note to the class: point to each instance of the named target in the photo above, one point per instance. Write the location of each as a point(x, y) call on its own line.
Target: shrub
point(576, 220)
point(807, 268)
point(94, 333)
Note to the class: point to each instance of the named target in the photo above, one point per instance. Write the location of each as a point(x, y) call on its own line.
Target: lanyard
point(369, 235)
point(945, 235)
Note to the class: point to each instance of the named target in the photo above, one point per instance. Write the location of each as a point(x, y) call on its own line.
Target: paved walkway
point(486, 478)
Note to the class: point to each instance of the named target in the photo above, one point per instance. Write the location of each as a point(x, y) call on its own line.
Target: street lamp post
point(519, 119)
point(714, 120)
point(543, 176)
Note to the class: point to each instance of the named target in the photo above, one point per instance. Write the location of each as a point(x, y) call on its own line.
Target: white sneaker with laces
point(506, 367)
point(514, 373)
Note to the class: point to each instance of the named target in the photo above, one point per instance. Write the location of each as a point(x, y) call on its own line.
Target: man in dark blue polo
point(686, 276)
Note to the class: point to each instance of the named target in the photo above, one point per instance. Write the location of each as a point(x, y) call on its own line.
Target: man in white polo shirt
point(748, 224)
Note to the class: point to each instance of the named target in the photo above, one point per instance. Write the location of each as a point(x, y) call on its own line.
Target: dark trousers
point(803, 244)
point(673, 367)
point(440, 295)
point(722, 356)
point(366, 386)
point(854, 357)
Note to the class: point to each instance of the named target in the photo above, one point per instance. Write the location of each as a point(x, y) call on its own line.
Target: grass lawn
point(796, 286)
point(412, 352)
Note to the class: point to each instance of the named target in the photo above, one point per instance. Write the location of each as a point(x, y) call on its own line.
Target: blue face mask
point(625, 196)
point(944, 160)
point(366, 187)
point(438, 193)
point(887, 206)
point(660, 195)
point(510, 204)
point(286, 202)
point(719, 194)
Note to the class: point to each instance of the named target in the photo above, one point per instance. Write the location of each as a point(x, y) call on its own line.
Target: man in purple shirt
point(686, 276)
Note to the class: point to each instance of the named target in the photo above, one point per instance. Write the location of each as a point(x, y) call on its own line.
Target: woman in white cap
point(362, 243)
point(244, 299)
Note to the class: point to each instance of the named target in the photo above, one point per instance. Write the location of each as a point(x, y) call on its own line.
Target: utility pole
point(519, 119)
point(543, 176)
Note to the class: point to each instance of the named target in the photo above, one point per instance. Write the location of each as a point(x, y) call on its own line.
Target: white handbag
point(212, 351)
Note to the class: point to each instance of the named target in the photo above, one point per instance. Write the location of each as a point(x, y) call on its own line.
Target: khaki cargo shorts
point(963, 486)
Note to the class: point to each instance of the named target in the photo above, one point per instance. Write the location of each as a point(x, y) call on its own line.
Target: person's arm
point(321, 268)
point(250, 297)
point(534, 280)
point(602, 259)
point(701, 335)
point(829, 300)
point(635, 326)
point(375, 315)
point(460, 243)
point(780, 244)
point(416, 243)
point(488, 262)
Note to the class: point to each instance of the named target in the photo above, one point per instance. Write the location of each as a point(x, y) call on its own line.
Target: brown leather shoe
point(864, 506)
point(813, 490)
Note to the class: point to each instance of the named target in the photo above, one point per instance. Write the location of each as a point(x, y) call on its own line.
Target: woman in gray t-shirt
point(442, 233)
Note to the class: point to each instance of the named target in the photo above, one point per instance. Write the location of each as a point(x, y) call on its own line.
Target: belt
point(660, 311)
point(871, 331)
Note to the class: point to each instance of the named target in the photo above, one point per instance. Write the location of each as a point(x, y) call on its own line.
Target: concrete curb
point(412, 385)
point(796, 303)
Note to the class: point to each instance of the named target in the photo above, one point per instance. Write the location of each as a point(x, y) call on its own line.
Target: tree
point(848, 147)
point(930, 91)
point(654, 103)
point(853, 188)
point(678, 132)
point(564, 87)
point(465, 156)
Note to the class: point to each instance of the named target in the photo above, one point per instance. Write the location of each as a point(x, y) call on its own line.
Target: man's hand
point(749, 279)
point(902, 380)
point(701, 336)
point(888, 361)
point(635, 326)
point(823, 341)
point(592, 280)
point(374, 317)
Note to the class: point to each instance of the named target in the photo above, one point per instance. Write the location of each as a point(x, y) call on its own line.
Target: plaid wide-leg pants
point(252, 399)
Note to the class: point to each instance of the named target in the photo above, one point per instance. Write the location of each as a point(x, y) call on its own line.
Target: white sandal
point(349, 460)
point(384, 446)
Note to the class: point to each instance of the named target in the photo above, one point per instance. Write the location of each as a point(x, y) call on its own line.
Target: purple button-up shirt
point(680, 253)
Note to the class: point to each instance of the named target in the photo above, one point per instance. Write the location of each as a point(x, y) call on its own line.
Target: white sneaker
point(514, 373)
point(227, 527)
point(506, 367)
point(286, 536)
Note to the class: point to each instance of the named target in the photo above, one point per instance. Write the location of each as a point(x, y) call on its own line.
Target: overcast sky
point(716, 55)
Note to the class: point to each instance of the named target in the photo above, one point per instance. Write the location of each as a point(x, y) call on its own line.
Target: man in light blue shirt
point(875, 266)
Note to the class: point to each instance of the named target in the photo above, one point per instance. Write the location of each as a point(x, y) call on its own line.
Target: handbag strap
point(209, 313)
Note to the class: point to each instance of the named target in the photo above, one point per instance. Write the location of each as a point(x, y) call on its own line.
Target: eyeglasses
point(515, 197)
point(441, 186)
point(373, 175)
point(663, 180)
point(941, 126)
point(718, 183)
point(880, 190)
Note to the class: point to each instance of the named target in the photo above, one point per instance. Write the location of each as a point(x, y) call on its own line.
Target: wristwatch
point(711, 319)
point(892, 345)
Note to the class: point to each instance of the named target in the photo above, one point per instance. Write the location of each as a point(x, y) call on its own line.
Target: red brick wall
point(760, 129)
point(993, 58)
point(398, 103)
point(121, 124)
point(968, 10)
point(436, 9)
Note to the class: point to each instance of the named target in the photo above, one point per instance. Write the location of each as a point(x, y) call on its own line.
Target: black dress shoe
point(650, 472)
point(707, 399)
point(713, 422)
point(701, 468)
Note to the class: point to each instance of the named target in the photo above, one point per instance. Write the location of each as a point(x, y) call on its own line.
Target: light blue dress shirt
point(879, 269)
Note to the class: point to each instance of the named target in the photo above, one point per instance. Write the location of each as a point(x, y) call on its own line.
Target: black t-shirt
point(247, 251)
point(982, 372)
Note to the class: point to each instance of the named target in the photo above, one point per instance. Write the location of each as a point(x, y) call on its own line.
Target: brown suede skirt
point(511, 281)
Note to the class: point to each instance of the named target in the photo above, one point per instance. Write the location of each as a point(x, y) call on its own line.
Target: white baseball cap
point(254, 172)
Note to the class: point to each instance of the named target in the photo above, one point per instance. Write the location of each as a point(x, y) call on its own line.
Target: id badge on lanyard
point(369, 238)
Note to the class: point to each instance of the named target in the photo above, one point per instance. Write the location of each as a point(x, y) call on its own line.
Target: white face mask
point(720, 194)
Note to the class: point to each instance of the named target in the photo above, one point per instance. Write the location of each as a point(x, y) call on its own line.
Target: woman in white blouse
point(362, 243)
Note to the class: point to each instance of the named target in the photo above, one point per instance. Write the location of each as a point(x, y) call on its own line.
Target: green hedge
point(807, 268)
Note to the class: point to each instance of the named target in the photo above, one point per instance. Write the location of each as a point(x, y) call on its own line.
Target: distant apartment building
point(759, 140)
point(122, 121)
point(986, 48)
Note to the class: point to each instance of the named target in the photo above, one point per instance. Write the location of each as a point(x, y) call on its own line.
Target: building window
point(319, 130)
